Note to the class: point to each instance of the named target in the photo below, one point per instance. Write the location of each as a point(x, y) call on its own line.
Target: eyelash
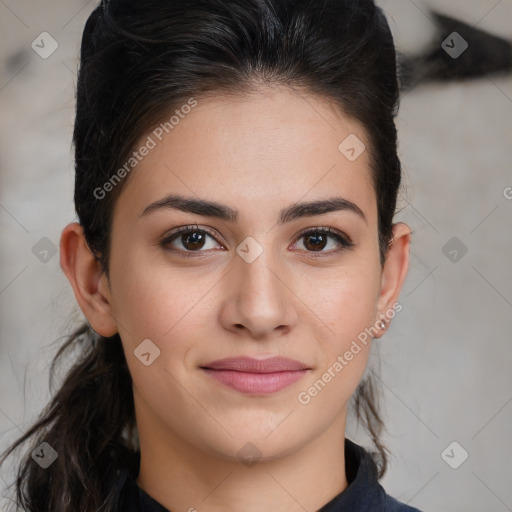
point(344, 242)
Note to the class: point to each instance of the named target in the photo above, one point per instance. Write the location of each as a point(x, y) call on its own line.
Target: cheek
point(344, 302)
point(346, 306)
point(153, 299)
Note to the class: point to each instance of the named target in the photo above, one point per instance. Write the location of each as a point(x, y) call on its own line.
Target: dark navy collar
point(363, 494)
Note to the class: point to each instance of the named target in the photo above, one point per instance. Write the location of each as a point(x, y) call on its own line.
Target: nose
point(258, 298)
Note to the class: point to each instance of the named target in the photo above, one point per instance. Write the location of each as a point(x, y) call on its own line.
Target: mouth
point(256, 376)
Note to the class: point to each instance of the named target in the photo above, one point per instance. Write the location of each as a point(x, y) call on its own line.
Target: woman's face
point(247, 283)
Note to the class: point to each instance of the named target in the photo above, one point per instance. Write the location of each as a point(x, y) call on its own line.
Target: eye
point(316, 239)
point(191, 239)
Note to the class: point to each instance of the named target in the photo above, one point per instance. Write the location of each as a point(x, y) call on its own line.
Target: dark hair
point(139, 61)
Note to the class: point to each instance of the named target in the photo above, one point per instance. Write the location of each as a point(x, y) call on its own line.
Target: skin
point(257, 154)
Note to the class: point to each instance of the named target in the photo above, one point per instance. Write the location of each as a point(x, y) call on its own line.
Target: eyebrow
point(292, 212)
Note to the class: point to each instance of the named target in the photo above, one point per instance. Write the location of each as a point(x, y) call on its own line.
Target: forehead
point(259, 150)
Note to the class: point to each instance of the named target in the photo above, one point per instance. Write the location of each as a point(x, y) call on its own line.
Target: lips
point(251, 365)
point(256, 376)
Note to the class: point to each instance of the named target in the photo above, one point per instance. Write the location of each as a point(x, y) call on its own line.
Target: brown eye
point(315, 240)
point(191, 239)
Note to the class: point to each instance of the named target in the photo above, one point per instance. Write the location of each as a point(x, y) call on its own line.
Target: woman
point(235, 256)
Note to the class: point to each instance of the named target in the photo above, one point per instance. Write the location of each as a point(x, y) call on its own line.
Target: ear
point(394, 272)
point(89, 282)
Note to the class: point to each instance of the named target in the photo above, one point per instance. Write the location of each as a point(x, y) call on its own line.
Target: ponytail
point(366, 406)
point(90, 423)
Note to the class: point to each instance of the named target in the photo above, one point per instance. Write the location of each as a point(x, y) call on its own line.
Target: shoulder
point(131, 498)
point(364, 483)
point(393, 505)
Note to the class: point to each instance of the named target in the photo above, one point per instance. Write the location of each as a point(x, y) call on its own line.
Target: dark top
point(363, 494)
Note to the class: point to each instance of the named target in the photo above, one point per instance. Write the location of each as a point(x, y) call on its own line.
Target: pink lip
point(256, 376)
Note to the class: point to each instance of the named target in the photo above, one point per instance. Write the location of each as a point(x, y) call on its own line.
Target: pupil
point(319, 243)
point(197, 239)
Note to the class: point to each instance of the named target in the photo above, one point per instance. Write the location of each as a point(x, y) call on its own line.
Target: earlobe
point(87, 278)
point(394, 273)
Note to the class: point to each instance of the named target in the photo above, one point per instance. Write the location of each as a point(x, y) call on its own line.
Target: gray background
point(446, 359)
